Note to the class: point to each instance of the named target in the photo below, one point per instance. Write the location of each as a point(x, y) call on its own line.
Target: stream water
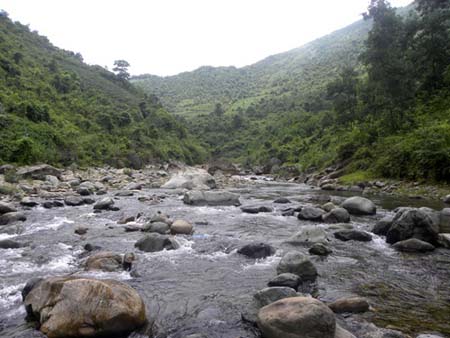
point(205, 286)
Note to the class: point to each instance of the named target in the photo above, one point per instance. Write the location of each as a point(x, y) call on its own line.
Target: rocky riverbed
point(203, 282)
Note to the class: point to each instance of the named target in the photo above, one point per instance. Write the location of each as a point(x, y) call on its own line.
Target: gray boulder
point(299, 264)
point(336, 215)
point(412, 223)
point(446, 199)
point(320, 249)
point(181, 227)
point(212, 198)
point(413, 245)
point(11, 217)
point(355, 235)
point(104, 204)
point(309, 234)
point(6, 207)
point(297, 317)
point(272, 294)
point(38, 172)
point(108, 261)
point(10, 244)
point(256, 209)
point(289, 280)
point(311, 214)
point(28, 202)
point(282, 200)
point(444, 221)
point(191, 178)
point(359, 206)
point(158, 227)
point(383, 225)
point(349, 305)
point(156, 242)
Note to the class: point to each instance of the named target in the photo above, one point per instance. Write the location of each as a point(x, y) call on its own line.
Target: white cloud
point(166, 37)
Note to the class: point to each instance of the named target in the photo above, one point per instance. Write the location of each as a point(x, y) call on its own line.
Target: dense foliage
point(56, 109)
point(374, 96)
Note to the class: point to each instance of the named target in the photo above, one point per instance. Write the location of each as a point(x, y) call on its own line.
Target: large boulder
point(413, 245)
point(38, 172)
point(158, 227)
point(336, 215)
point(191, 178)
point(299, 264)
point(104, 204)
point(11, 217)
point(311, 214)
point(213, 198)
point(320, 249)
point(256, 250)
point(286, 279)
point(156, 242)
point(383, 225)
point(353, 235)
point(84, 307)
point(272, 294)
point(444, 221)
point(309, 235)
point(359, 206)
point(297, 317)
point(412, 223)
point(6, 207)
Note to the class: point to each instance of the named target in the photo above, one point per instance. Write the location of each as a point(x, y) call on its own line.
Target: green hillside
point(56, 109)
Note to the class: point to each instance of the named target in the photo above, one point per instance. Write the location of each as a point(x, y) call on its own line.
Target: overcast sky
point(166, 37)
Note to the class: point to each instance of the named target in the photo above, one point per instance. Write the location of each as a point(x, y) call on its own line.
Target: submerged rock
point(6, 207)
point(309, 234)
point(84, 307)
point(355, 235)
point(158, 227)
point(352, 305)
point(212, 198)
point(256, 209)
point(320, 249)
point(359, 206)
point(11, 217)
point(282, 200)
point(156, 242)
point(10, 244)
point(413, 245)
point(297, 317)
point(299, 264)
point(257, 250)
point(272, 294)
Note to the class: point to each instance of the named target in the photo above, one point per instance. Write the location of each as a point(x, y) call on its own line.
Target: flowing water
point(205, 286)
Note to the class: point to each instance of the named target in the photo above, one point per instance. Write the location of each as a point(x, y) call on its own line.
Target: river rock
point(383, 225)
point(412, 223)
point(308, 235)
point(108, 261)
point(297, 317)
point(6, 207)
point(444, 240)
point(160, 217)
point(359, 206)
point(5, 168)
point(355, 235)
point(191, 178)
point(10, 244)
point(413, 245)
point(53, 180)
point(256, 250)
point(311, 214)
point(181, 227)
point(104, 204)
point(444, 221)
point(156, 242)
point(337, 215)
point(126, 219)
point(11, 217)
point(299, 264)
point(38, 172)
point(329, 206)
point(287, 279)
point(282, 200)
point(350, 305)
point(28, 202)
point(320, 249)
point(158, 227)
point(213, 198)
point(85, 307)
point(272, 294)
point(446, 199)
point(81, 230)
point(52, 204)
point(342, 333)
point(223, 166)
point(74, 201)
point(256, 209)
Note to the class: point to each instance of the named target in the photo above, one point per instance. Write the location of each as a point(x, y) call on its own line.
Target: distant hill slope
point(54, 108)
point(299, 72)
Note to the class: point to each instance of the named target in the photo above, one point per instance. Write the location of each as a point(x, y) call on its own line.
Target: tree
point(121, 69)
point(218, 110)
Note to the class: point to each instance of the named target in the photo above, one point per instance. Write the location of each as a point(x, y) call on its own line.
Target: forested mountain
point(373, 97)
point(54, 108)
point(299, 72)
